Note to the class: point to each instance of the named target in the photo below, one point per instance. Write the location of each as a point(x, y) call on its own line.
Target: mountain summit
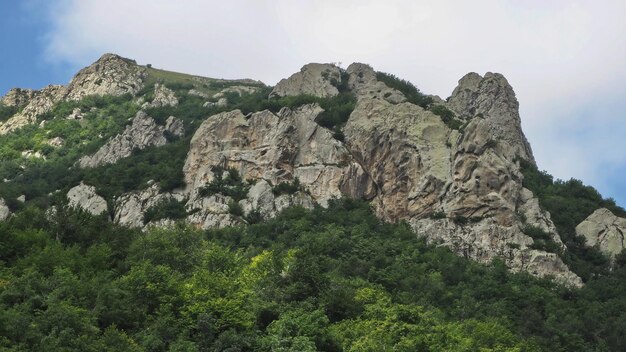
point(228, 152)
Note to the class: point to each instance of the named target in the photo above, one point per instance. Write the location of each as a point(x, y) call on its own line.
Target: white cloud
point(565, 59)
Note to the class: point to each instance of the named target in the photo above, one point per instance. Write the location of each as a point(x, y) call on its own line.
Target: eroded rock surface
point(142, 133)
point(85, 197)
point(110, 75)
point(604, 230)
point(277, 148)
point(313, 79)
point(163, 96)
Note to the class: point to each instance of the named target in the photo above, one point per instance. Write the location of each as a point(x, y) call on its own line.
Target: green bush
point(235, 208)
point(165, 209)
point(412, 94)
point(226, 182)
point(7, 111)
point(287, 187)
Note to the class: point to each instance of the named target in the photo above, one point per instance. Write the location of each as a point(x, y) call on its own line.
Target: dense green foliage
point(412, 94)
point(328, 279)
point(569, 203)
point(287, 187)
point(227, 182)
point(165, 209)
point(7, 111)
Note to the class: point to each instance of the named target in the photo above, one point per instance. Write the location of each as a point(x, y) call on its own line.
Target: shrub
point(7, 111)
point(287, 187)
point(230, 185)
point(235, 208)
point(412, 94)
point(447, 116)
point(165, 209)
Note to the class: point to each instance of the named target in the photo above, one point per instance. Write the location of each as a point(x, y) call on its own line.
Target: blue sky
point(565, 59)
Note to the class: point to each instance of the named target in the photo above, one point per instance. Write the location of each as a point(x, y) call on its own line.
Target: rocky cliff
point(461, 188)
point(455, 180)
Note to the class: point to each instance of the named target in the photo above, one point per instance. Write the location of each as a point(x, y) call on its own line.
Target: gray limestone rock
point(85, 197)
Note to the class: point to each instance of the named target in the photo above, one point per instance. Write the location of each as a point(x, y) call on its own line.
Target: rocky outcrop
point(459, 188)
point(18, 97)
point(4, 210)
point(313, 79)
point(276, 148)
point(39, 102)
point(85, 197)
point(163, 96)
point(493, 101)
point(363, 82)
point(605, 231)
point(130, 208)
point(110, 75)
point(239, 90)
point(142, 133)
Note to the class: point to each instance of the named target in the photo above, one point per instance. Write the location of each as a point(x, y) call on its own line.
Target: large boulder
point(85, 197)
point(604, 230)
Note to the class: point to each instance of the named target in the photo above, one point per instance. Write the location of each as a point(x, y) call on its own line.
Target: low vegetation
point(569, 203)
point(412, 94)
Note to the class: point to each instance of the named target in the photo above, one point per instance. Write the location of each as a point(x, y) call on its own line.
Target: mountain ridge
point(450, 169)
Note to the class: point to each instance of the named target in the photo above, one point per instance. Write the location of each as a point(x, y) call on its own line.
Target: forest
point(335, 279)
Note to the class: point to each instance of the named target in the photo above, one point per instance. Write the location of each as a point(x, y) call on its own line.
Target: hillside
point(342, 209)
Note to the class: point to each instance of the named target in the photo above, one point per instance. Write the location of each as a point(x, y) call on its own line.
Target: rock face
point(276, 148)
point(142, 133)
point(313, 79)
point(17, 97)
point(492, 99)
point(4, 210)
point(86, 198)
point(604, 230)
point(458, 188)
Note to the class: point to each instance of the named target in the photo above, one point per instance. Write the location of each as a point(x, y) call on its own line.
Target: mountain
point(451, 168)
point(148, 149)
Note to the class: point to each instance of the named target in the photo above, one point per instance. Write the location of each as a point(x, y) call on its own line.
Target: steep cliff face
point(461, 188)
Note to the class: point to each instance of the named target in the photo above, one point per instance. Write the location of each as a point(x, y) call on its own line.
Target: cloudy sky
point(565, 59)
